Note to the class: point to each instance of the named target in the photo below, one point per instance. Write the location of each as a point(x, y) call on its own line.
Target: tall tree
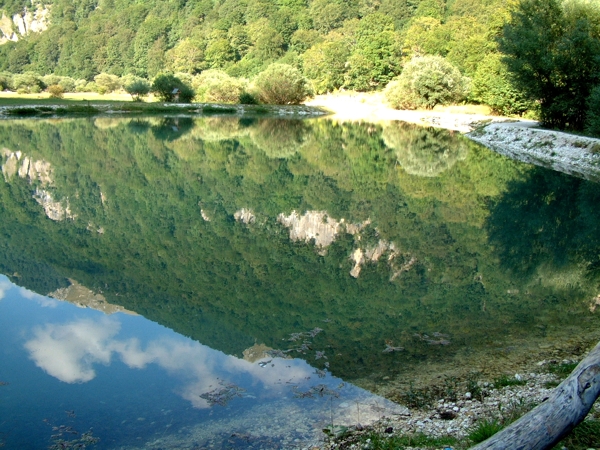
point(553, 53)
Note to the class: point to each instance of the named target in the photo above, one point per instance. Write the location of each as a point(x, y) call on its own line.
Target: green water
point(478, 251)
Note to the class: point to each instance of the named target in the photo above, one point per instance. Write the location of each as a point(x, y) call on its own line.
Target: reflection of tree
point(280, 138)
point(214, 129)
point(425, 152)
point(172, 128)
point(550, 219)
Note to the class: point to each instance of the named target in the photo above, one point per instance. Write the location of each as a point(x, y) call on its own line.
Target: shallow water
point(354, 255)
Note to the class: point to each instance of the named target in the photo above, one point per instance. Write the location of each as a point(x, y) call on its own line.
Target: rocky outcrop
point(31, 20)
point(38, 172)
point(245, 216)
point(84, 298)
point(313, 225)
point(320, 228)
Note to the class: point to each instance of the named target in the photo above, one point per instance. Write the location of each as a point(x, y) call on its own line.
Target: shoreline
point(518, 139)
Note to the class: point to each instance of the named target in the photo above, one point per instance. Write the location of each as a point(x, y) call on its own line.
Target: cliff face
point(30, 20)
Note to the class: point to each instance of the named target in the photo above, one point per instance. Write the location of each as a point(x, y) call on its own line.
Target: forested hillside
point(514, 55)
point(358, 44)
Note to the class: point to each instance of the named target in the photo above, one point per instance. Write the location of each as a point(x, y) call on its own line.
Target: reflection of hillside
point(229, 284)
point(426, 152)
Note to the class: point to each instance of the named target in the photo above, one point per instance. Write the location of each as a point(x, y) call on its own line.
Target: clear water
point(358, 255)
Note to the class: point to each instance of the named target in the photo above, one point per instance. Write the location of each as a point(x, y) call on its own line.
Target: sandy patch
point(371, 107)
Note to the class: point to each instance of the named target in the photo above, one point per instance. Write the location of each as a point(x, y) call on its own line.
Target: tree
point(592, 123)
point(552, 51)
point(492, 86)
point(325, 64)
point(137, 88)
point(281, 84)
point(425, 82)
point(167, 87)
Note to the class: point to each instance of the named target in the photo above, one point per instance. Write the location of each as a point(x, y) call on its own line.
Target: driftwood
point(544, 426)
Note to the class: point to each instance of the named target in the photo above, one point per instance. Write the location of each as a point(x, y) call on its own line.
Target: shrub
point(217, 87)
point(5, 81)
point(248, 99)
point(28, 82)
point(137, 88)
point(592, 124)
point(167, 86)
point(107, 83)
point(281, 84)
point(67, 83)
point(56, 91)
point(425, 82)
point(492, 86)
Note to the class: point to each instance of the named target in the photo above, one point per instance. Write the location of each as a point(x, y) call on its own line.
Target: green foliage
point(505, 380)
point(56, 91)
point(592, 124)
point(378, 441)
point(108, 83)
point(484, 429)
point(425, 82)
point(137, 88)
point(562, 370)
point(584, 436)
point(492, 86)
point(28, 81)
point(216, 86)
point(281, 84)
point(325, 64)
point(552, 52)
point(168, 88)
point(5, 81)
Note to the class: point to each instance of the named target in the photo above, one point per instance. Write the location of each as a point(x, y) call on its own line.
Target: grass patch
point(584, 436)
point(377, 441)
point(485, 430)
point(218, 110)
point(562, 370)
point(505, 380)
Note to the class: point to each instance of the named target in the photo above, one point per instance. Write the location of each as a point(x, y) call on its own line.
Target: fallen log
point(545, 425)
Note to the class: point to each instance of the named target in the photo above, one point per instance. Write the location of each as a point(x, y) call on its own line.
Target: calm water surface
point(180, 283)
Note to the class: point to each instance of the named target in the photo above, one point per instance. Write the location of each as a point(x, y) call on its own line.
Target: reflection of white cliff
point(28, 21)
point(319, 227)
point(40, 172)
point(82, 297)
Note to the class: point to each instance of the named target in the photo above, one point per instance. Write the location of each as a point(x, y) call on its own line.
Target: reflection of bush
point(214, 129)
point(172, 128)
point(280, 138)
point(425, 152)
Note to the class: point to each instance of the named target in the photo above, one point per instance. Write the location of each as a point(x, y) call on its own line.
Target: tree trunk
point(544, 426)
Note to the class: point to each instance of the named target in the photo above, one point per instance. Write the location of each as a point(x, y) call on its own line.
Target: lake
point(224, 282)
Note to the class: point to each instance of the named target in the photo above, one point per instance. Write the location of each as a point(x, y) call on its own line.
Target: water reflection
point(84, 348)
point(243, 233)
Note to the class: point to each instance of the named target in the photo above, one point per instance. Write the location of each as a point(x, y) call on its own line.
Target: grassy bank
point(41, 105)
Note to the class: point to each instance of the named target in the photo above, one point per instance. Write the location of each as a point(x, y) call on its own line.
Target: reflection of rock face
point(245, 216)
point(315, 225)
point(39, 171)
point(84, 298)
point(425, 152)
point(256, 352)
point(54, 210)
point(323, 229)
point(24, 23)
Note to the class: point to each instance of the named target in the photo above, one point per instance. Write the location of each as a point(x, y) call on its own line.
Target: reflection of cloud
point(4, 287)
point(70, 351)
point(42, 300)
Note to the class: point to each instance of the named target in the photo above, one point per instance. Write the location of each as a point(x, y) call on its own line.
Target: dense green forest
point(497, 250)
point(541, 57)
